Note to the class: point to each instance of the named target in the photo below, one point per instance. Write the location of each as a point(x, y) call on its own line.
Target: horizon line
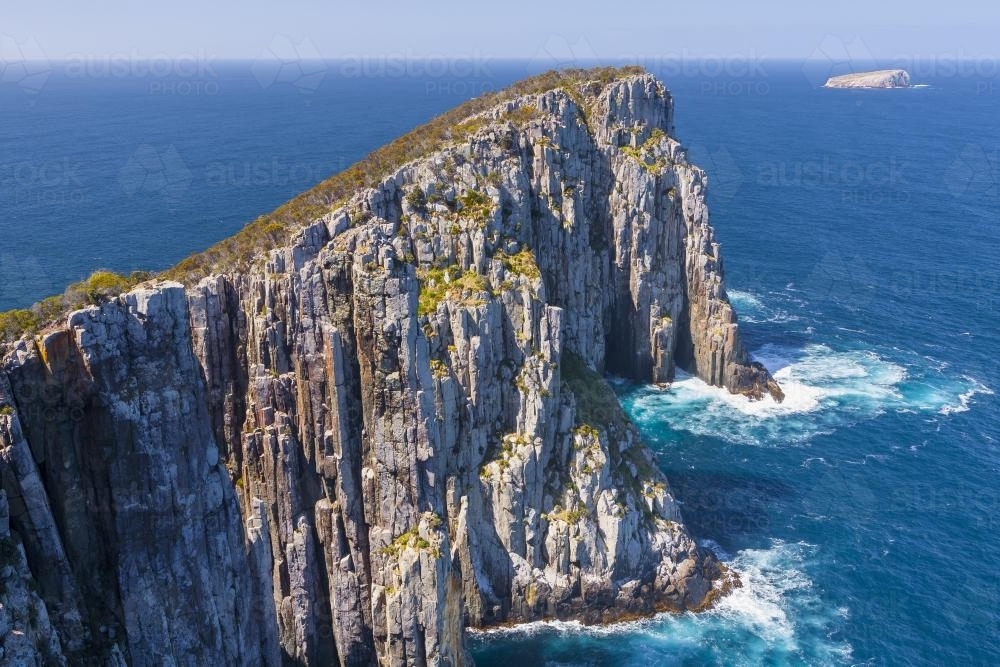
point(582, 62)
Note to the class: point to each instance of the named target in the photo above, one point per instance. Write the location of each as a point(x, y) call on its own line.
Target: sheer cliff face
point(396, 429)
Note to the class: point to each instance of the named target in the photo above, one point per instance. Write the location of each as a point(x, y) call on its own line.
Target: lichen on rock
point(398, 425)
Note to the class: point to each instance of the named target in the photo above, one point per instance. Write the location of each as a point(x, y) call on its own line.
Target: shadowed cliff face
point(395, 429)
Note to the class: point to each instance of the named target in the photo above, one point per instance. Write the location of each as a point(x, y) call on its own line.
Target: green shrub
point(477, 206)
point(522, 115)
point(522, 263)
point(105, 284)
point(464, 130)
point(100, 286)
point(440, 131)
point(450, 282)
point(417, 200)
point(243, 249)
point(439, 368)
point(596, 402)
point(16, 323)
point(644, 154)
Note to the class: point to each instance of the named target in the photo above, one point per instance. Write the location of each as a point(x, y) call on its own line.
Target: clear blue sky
point(502, 29)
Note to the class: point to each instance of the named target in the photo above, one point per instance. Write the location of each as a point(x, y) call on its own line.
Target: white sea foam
point(761, 603)
point(824, 389)
point(770, 605)
point(741, 299)
point(778, 602)
point(715, 548)
point(965, 398)
point(751, 308)
point(799, 397)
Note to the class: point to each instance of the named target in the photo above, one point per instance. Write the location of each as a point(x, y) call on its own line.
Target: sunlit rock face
point(886, 78)
point(391, 430)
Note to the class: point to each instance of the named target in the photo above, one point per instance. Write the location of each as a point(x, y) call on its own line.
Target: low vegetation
point(436, 285)
point(522, 263)
point(643, 154)
point(522, 115)
point(509, 445)
point(596, 403)
point(477, 206)
point(416, 199)
point(276, 229)
point(99, 287)
point(412, 539)
point(568, 516)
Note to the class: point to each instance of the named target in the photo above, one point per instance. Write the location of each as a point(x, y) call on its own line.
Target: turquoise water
point(861, 233)
point(862, 513)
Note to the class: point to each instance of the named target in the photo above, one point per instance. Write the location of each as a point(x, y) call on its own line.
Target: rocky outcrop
point(26, 634)
point(884, 78)
point(395, 428)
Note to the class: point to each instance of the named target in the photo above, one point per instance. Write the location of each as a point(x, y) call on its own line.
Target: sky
point(605, 29)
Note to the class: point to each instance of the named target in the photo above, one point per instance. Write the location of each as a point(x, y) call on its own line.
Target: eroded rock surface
point(396, 428)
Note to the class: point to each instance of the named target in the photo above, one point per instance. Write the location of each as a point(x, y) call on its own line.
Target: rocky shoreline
point(397, 426)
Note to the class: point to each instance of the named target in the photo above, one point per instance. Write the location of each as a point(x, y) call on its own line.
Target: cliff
point(886, 78)
point(391, 429)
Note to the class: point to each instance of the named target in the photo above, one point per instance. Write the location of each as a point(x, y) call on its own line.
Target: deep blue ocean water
point(861, 234)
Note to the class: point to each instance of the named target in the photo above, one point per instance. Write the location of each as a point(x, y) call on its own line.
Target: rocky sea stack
point(390, 427)
point(886, 78)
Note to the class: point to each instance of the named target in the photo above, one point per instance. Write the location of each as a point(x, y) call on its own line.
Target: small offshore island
point(883, 78)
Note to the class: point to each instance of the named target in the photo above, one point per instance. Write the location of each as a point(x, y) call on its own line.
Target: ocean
point(861, 235)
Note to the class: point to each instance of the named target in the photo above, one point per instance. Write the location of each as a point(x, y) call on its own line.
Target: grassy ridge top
point(276, 229)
